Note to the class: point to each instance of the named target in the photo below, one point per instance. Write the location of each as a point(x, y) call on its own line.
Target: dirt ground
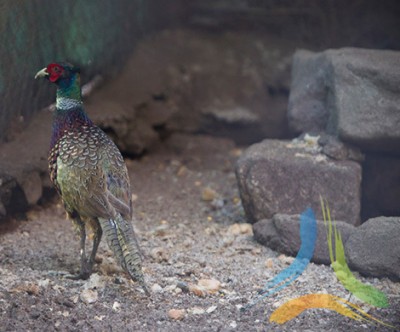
point(187, 211)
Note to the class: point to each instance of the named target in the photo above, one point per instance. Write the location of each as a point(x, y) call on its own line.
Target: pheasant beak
point(42, 73)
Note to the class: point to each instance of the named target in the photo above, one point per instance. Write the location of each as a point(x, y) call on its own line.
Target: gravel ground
point(191, 228)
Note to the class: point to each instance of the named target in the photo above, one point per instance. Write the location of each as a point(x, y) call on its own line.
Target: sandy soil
point(186, 215)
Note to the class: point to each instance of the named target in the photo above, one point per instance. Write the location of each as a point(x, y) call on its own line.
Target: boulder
point(282, 233)
point(277, 176)
point(374, 248)
point(371, 249)
point(352, 93)
point(365, 98)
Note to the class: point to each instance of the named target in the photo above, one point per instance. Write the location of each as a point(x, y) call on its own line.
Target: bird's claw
point(57, 273)
point(68, 275)
point(79, 276)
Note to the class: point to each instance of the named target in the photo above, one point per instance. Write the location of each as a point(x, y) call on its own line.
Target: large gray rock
point(358, 88)
point(374, 249)
point(285, 177)
point(365, 98)
point(282, 233)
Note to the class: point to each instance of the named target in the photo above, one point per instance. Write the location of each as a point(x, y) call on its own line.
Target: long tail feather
point(122, 241)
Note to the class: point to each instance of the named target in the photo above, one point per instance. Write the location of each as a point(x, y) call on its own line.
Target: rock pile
point(345, 104)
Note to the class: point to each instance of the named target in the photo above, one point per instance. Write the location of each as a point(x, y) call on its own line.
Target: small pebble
point(161, 230)
point(183, 286)
point(95, 282)
point(34, 314)
point(156, 288)
point(159, 254)
point(88, 296)
point(43, 283)
point(197, 311)
point(30, 288)
point(211, 309)
point(242, 228)
point(188, 243)
point(228, 240)
point(197, 290)
point(286, 259)
point(182, 171)
point(208, 194)
point(269, 263)
point(176, 314)
point(217, 203)
point(170, 288)
point(116, 306)
point(236, 200)
point(210, 285)
point(236, 152)
point(118, 281)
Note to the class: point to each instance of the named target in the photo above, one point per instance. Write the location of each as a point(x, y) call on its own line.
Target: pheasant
point(89, 173)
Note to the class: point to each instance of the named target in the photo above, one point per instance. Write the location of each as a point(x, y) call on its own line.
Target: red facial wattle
point(55, 71)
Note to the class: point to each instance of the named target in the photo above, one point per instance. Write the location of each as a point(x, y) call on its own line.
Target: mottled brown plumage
point(89, 173)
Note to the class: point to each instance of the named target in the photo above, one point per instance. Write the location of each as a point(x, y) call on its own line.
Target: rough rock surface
point(374, 248)
point(227, 84)
point(365, 98)
point(286, 177)
point(282, 233)
point(335, 149)
point(358, 88)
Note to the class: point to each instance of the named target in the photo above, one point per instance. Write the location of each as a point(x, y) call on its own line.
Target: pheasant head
point(66, 77)
point(69, 113)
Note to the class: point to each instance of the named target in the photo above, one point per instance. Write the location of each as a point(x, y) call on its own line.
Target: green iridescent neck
point(69, 89)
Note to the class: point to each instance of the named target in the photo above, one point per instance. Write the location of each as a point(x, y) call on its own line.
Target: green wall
point(95, 34)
